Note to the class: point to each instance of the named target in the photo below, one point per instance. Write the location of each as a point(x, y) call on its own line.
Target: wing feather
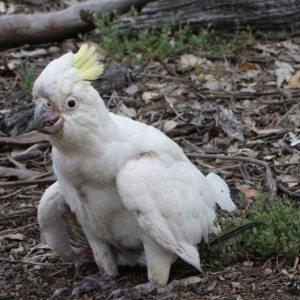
point(172, 202)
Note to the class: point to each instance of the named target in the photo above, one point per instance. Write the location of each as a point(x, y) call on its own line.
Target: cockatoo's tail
point(70, 67)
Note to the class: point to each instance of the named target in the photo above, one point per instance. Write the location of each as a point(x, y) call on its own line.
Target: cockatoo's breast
point(90, 190)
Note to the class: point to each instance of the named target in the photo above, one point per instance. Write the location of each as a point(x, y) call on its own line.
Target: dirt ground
point(252, 97)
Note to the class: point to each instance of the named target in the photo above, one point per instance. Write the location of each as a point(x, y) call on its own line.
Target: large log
point(276, 15)
point(39, 28)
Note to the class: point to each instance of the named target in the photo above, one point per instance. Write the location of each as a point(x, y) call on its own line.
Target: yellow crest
point(86, 62)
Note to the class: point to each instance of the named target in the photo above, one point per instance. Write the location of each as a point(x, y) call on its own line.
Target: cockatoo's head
point(65, 102)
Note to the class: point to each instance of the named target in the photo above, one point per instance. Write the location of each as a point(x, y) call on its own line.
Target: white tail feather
point(222, 192)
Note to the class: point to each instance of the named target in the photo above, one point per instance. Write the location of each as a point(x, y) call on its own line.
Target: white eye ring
point(72, 102)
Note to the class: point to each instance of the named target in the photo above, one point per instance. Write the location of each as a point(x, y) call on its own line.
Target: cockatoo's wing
point(62, 231)
point(173, 202)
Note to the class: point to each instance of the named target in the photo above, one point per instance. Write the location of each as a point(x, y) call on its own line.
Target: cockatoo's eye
point(72, 102)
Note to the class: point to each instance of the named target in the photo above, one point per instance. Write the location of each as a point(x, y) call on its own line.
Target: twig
point(293, 194)
point(12, 194)
point(13, 85)
point(296, 263)
point(17, 229)
point(43, 181)
point(270, 182)
point(179, 116)
point(17, 261)
point(287, 113)
point(286, 165)
point(164, 77)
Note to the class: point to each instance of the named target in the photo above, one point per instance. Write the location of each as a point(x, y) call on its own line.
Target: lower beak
point(47, 121)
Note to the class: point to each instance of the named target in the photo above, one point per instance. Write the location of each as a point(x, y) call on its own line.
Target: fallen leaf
point(14, 236)
point(169, 125)
point(189, 61)
point(247, 67)
point(283, 72)
point(287, 178)
point(248, 191)
point(290, 45)
point(294, 82)
point(133, 89)
point(16, 250)
point(126, 111)
point(148, 96)
point(295, 57)
point(171, 70)
point(248, 263)
point(211, 83)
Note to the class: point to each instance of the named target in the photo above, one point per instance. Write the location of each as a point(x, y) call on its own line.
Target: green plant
point(27, 78)
point(157, 44)
point(280, 236)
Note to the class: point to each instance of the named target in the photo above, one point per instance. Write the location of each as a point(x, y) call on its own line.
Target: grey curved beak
point(46, 120)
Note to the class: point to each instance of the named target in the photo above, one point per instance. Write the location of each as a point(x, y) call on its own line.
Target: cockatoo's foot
point(135, 292)
point(149, 288)
point(94, 282)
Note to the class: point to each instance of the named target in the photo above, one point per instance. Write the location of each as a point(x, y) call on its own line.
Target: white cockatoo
point(131, 187)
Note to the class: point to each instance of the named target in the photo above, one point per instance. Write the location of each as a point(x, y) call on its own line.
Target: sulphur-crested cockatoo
point(131, 187)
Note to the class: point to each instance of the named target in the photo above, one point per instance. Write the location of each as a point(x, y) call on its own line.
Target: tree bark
point(20, 29)
point(276, 15)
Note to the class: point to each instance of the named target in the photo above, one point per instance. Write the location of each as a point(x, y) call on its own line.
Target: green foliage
point(156, 44)
point(27, 78)
point(279, 237)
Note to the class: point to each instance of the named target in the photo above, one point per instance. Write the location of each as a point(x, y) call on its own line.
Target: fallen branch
point(39, 28)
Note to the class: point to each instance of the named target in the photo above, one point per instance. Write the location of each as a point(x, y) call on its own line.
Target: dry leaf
point(189, 61)
point(14, 236)
point(248, 191)
point(283, 72)
point(171, 70)
point(169, 125)
point(148, 96)
point(295, 57)
point(211, 83)
point(294, 82)
point(247, 67)
point(16, 250)
point(248, 263)
point(126, 111)
point(133, 89)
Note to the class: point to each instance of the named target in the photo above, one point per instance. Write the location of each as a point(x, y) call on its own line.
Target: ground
point(243, 105)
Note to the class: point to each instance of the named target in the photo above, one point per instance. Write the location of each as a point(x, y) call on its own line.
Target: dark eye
point(71, 103)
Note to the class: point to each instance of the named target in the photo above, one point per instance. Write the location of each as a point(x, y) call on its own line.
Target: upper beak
point(47, 121)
